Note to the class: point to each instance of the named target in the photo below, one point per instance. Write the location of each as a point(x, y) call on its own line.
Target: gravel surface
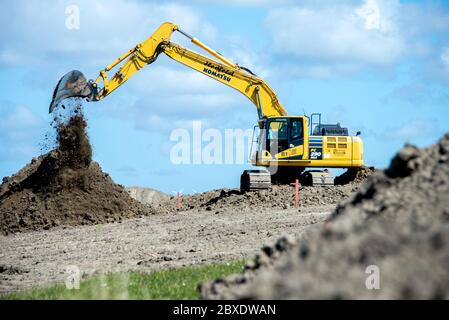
point(38, 258)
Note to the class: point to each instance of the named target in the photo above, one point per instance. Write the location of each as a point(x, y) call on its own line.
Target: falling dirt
point(64, 187)
point(395, 228)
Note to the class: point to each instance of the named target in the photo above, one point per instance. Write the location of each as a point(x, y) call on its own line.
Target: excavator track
point(317, 178)
point(251, 180)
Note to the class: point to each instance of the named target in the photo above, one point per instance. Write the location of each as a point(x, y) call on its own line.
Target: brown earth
point(154, 242)
point(279, 197)
point(354, 175)
point(397, 224)
point(64, 187)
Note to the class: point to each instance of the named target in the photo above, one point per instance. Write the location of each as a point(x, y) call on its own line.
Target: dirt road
point(38, 258)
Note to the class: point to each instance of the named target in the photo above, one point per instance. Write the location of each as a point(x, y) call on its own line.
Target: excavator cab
point(280, 135)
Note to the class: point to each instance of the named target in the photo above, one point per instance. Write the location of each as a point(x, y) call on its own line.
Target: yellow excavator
point(286, 145)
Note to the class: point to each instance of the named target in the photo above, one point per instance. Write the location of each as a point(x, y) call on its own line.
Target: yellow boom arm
point(225, 71)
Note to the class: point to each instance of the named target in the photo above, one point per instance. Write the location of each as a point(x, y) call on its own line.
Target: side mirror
point(358, 133)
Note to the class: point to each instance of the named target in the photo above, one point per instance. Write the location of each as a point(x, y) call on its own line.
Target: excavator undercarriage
point(251, 180)
point(255, 180)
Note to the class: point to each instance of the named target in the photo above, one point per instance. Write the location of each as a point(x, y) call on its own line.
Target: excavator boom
point(74, 84)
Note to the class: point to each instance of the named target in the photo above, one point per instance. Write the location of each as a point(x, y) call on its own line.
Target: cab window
point(278, 130)
point(297, 129)
point(277, 137)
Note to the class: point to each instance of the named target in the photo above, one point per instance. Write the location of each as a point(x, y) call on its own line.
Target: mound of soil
point(394, 229)
point(147, 195)
point(354, 175)
point(64, 187)
point(279, 197)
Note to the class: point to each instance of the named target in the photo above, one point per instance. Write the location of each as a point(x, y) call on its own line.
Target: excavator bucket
point(73, 84)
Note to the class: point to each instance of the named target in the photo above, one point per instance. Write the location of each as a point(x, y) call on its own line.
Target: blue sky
point(378, 66)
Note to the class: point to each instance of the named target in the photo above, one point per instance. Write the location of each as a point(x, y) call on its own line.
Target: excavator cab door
point(296, 136)
point(277, 135)
point(284, 135)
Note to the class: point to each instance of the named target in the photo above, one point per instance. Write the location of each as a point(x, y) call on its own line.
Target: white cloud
point(375, 19)
point(445, 58)
point(364, 34)
point(321, 39)
point(168, 79)
point(20, 130)
point(244, 53)
point(18, 119)
point(317, 69)
point(164, 112)
point(243, 3)
point(107, 29)
point(416, 129)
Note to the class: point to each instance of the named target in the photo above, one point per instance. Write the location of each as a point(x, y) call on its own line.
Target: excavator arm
point(132, 61)
point(74, 83)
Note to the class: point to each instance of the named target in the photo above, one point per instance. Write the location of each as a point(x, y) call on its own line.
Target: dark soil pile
point(64, 187)
point(354, 175)
point(396, 226)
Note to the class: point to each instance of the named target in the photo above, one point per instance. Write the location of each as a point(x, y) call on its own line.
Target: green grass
point(179, 283)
